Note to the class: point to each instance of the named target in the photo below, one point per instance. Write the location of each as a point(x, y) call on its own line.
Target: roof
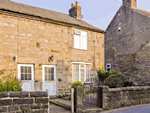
point(44, 13)
point(143, 11)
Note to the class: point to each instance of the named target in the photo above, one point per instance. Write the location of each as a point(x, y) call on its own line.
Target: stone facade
point(111, 98)
point(35, 39)
point(127, 42)
point(24, 102)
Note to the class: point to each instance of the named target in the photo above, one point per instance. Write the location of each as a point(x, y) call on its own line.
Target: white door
point(26, 75)
point(49, 79)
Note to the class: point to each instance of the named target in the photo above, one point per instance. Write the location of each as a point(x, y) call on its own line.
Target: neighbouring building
point(48, 49)
point(127, 42)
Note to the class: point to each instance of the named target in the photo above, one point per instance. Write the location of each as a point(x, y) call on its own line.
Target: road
point(133, 109)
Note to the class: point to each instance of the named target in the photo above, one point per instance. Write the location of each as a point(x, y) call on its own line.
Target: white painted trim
point(32, 68)
point(80, 63)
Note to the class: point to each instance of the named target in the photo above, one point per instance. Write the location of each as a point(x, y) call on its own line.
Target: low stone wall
point(24, 102)
point(110, 98)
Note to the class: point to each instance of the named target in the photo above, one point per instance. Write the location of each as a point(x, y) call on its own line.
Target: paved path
point(133, 109)
point(57, 109)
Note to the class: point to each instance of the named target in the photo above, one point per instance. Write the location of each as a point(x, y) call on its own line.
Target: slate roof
point(44, 13)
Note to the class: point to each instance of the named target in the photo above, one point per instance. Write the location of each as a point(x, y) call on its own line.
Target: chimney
point(75, 11)
point(130, 3)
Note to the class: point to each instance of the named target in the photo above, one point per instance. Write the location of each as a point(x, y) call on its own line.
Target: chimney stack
point(130, 3)
point(75, 11)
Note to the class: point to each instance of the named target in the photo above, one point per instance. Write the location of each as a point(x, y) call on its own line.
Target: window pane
point(75, 73)
point(45, 69)
point(52, 70)
point(45, 77)
point(82, 75)
point(22, 77)
point(25, 69)
point(26, 76)
point(87, 73)
point(29, 76)
point(52, 77)
point(29, 69)
point(76, 41)
point(21, 69)
point(48, 77)
point(83, 43)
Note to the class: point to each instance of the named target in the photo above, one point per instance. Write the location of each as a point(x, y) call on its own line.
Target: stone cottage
point(46, 49)
point(127, 42)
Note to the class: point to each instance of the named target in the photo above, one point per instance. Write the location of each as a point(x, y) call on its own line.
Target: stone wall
point(22, 102)
point(111, 98)
point(128, 49)
point(34, 40)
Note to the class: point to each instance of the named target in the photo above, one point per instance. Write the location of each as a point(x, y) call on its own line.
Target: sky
point(98, 13)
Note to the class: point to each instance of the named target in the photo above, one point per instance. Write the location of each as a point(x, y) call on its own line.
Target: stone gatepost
point(78, 98)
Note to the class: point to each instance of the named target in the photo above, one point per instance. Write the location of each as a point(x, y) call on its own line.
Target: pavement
point(57, 109)
point(133, 109)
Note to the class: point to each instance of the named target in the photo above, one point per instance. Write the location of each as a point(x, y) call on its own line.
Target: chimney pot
point(72, 5)
point(75, 11)
point(130, 3)
point(77, 2)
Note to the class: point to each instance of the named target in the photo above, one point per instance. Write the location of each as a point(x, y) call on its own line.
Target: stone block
point(23, 101)
point(5, 102)
point(44, 106)
point(35, 106)
point(25, 108)
point(3, 94)
point(39, 94)
point(41, 100)
point(13, 108)
point(3, 109)
point(19, 94)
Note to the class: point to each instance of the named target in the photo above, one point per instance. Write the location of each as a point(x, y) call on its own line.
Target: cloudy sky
point(98, 13)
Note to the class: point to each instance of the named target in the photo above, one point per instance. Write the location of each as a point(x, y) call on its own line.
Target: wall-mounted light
point(15, 58)
point(119, 28)
point(50, 58)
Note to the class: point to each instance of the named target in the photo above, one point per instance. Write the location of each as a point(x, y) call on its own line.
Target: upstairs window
point(80, 40)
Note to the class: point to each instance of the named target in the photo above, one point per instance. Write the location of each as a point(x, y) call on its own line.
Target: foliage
point(103, 74)
point(114, 78)
point(13, 84)
point(113, 82)
point(10, 84)
point(77, 83)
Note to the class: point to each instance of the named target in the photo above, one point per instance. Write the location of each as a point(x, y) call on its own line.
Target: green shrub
point(119, 79)
point(114, 82)
point(11, 83)
point(103, 74)
point(77, 83)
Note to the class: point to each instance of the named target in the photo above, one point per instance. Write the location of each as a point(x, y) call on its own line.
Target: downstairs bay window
point(81, 72)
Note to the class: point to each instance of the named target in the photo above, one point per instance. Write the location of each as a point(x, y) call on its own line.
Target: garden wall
point(110, 98)
point(22, 102)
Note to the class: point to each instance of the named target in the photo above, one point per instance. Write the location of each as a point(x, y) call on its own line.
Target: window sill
point(81, 49)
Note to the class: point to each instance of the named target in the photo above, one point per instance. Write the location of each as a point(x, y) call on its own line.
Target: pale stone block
point(23, 34)
point(6, 24)
point(12, 25)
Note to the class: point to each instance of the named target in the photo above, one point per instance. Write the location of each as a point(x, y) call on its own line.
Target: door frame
point(32, 74)
point(43, 76)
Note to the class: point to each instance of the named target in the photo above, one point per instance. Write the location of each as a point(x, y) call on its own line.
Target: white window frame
point(108, 64)
point(81, 34)
point(81, 63)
